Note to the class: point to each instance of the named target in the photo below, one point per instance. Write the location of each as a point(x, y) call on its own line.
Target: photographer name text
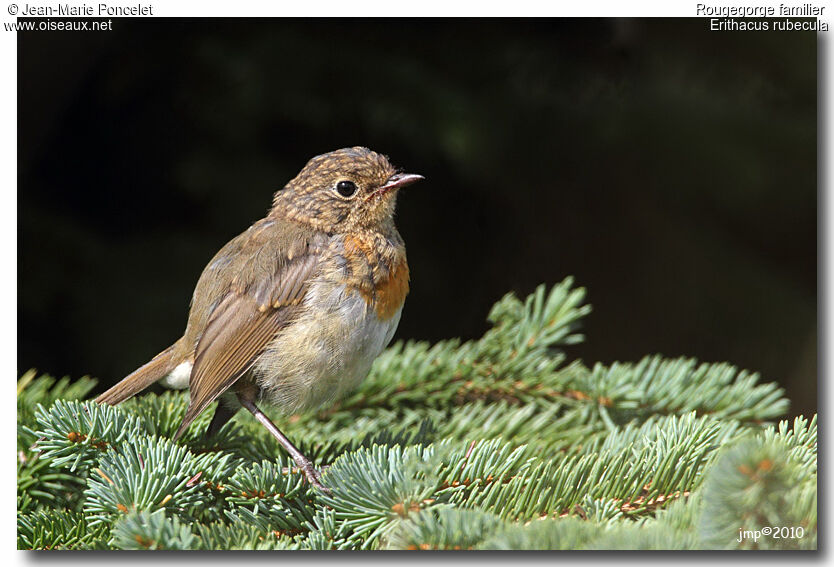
point(86, 10)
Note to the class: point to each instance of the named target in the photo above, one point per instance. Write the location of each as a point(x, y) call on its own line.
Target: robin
point(293, 311)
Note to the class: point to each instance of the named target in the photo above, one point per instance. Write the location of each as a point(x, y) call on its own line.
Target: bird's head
point(344, 190)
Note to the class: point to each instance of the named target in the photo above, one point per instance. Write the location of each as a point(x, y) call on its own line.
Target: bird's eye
point(346, 188)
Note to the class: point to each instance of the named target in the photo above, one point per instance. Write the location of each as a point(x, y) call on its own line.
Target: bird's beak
point(401, 180)
point(397, 181)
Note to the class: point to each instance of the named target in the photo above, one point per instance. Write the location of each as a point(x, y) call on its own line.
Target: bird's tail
point(162, 364)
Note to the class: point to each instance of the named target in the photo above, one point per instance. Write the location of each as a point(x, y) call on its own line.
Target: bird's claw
point(313, 476)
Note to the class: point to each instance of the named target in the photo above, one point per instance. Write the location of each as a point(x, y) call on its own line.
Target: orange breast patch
point(390, 293)
point(383, 289)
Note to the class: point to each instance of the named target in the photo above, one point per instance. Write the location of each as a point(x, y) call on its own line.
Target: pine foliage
point(497, 443)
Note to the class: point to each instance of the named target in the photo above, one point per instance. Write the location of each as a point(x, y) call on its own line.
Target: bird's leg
point(301, 461)
point(222, 415)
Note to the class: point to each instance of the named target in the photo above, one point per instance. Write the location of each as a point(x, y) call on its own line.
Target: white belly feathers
point(327, 351)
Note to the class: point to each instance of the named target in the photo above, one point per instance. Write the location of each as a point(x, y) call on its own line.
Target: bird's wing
point(247, 317)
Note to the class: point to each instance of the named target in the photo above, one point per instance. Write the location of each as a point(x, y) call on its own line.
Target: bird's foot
point(313, 475)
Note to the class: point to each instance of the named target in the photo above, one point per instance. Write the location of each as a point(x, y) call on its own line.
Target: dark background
point(671, 169)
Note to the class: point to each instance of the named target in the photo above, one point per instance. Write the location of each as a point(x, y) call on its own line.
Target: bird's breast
point(347, 317)
point(388, 295)
point(377, 269)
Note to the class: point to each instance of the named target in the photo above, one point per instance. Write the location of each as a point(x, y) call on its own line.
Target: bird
point(293, 311)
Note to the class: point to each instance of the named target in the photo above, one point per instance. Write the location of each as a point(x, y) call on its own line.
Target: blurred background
point(670, 169)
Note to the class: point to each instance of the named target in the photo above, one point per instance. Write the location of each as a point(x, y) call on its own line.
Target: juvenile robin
point(293, 311)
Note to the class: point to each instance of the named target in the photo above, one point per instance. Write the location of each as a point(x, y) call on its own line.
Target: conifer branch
point(494, 443)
